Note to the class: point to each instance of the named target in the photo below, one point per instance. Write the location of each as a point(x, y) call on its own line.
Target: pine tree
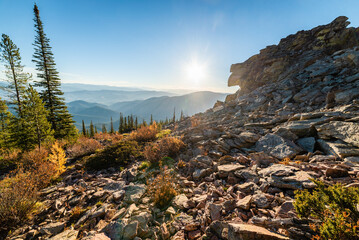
point(112, 131)
point(120, 128)
point(125, 127)
point(95, 130)
point(136, 123)
point(151, 120)
point(174, 115)
point(83, 128)
point(132, 123)
point(92, 130)
point(5, 117)
point(59, 117)
point(15, 75)
point(36, 114)
point(33, 128)
point(104, 130)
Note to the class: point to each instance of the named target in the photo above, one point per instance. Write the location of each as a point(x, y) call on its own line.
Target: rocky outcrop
point(293, 54)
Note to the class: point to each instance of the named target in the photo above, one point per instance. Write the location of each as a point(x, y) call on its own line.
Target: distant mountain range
point(109, 97)
point(98, 103)
point(160, 107)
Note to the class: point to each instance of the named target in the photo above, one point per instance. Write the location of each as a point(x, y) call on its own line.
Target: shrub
point(8, 159)
point(163, 133)
point(76, 213)
point(108, 137)
point(143, 165)
point(83, 147)
point(58, 159)
point(18, 198)
point(145, 133)
point(335, 207)
point(162, 189)
point(119, 154)
point(165, 147)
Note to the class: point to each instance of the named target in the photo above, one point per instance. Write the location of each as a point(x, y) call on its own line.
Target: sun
point(196, 71)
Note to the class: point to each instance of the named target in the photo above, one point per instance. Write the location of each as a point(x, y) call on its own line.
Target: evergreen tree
point(33, 128)
point(104, 130)
point(83, 128)
point(87, 132)
point(120, 128)
point(144, 123)
point(14, 72)
point(132, 123)
point(92, 130)
point(174, 115)
point(151, 120)
point(95, 130)
point(182, 115)
point(125, 127)
point(5, 117)
point(136, 123)
point(112, 131)
point(59, 117)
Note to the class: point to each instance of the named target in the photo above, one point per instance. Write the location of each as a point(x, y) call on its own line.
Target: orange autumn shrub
point(145, 133)
point(18, 198)
point(162, 189)
point(165, 147)
point(83, 147)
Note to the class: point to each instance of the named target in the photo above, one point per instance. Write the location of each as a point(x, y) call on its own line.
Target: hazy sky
point(161, 44)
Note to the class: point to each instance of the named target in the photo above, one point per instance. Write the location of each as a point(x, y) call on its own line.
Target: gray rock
point(346, 96)
point(118, 195)
point(180, 201)
point(68, 235)
point(245, 202)
point(277, 146)
point(247, 231)
point(224, 170)
point(345, 131)
point(261, 201)
point(130, 230)
point(338, 148)
point(52, 228)
point(201, 173)
point(134, 193)
point(307, 143)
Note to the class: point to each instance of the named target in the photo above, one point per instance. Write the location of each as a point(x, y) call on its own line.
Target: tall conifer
point(5, 117)
point(120, 128)
point(111, 127)
point(92, 130)
point(59, 116)
point(14, 72)
point(83, 128)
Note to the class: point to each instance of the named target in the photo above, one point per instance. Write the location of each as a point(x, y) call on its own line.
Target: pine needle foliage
point(5, 117)
point(14, 72)
point(336, 208)
point(59, 117)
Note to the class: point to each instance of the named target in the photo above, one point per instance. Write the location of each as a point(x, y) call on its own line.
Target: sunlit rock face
point(293, 54)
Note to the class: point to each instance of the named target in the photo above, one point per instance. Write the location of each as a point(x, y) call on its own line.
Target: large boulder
point(277, 146)
point(345, 131)
point(239, 231)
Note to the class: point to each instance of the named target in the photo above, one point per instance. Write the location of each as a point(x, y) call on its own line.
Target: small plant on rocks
point(163, 188)
point(165, 147)
point(336, 208)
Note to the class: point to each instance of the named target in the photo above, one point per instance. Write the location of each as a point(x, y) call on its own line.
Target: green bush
point(117, 155)
point(336, 208)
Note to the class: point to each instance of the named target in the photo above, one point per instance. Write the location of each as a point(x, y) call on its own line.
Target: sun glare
point(195, 71)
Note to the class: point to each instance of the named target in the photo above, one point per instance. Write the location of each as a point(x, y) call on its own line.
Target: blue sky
point(155, 44)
